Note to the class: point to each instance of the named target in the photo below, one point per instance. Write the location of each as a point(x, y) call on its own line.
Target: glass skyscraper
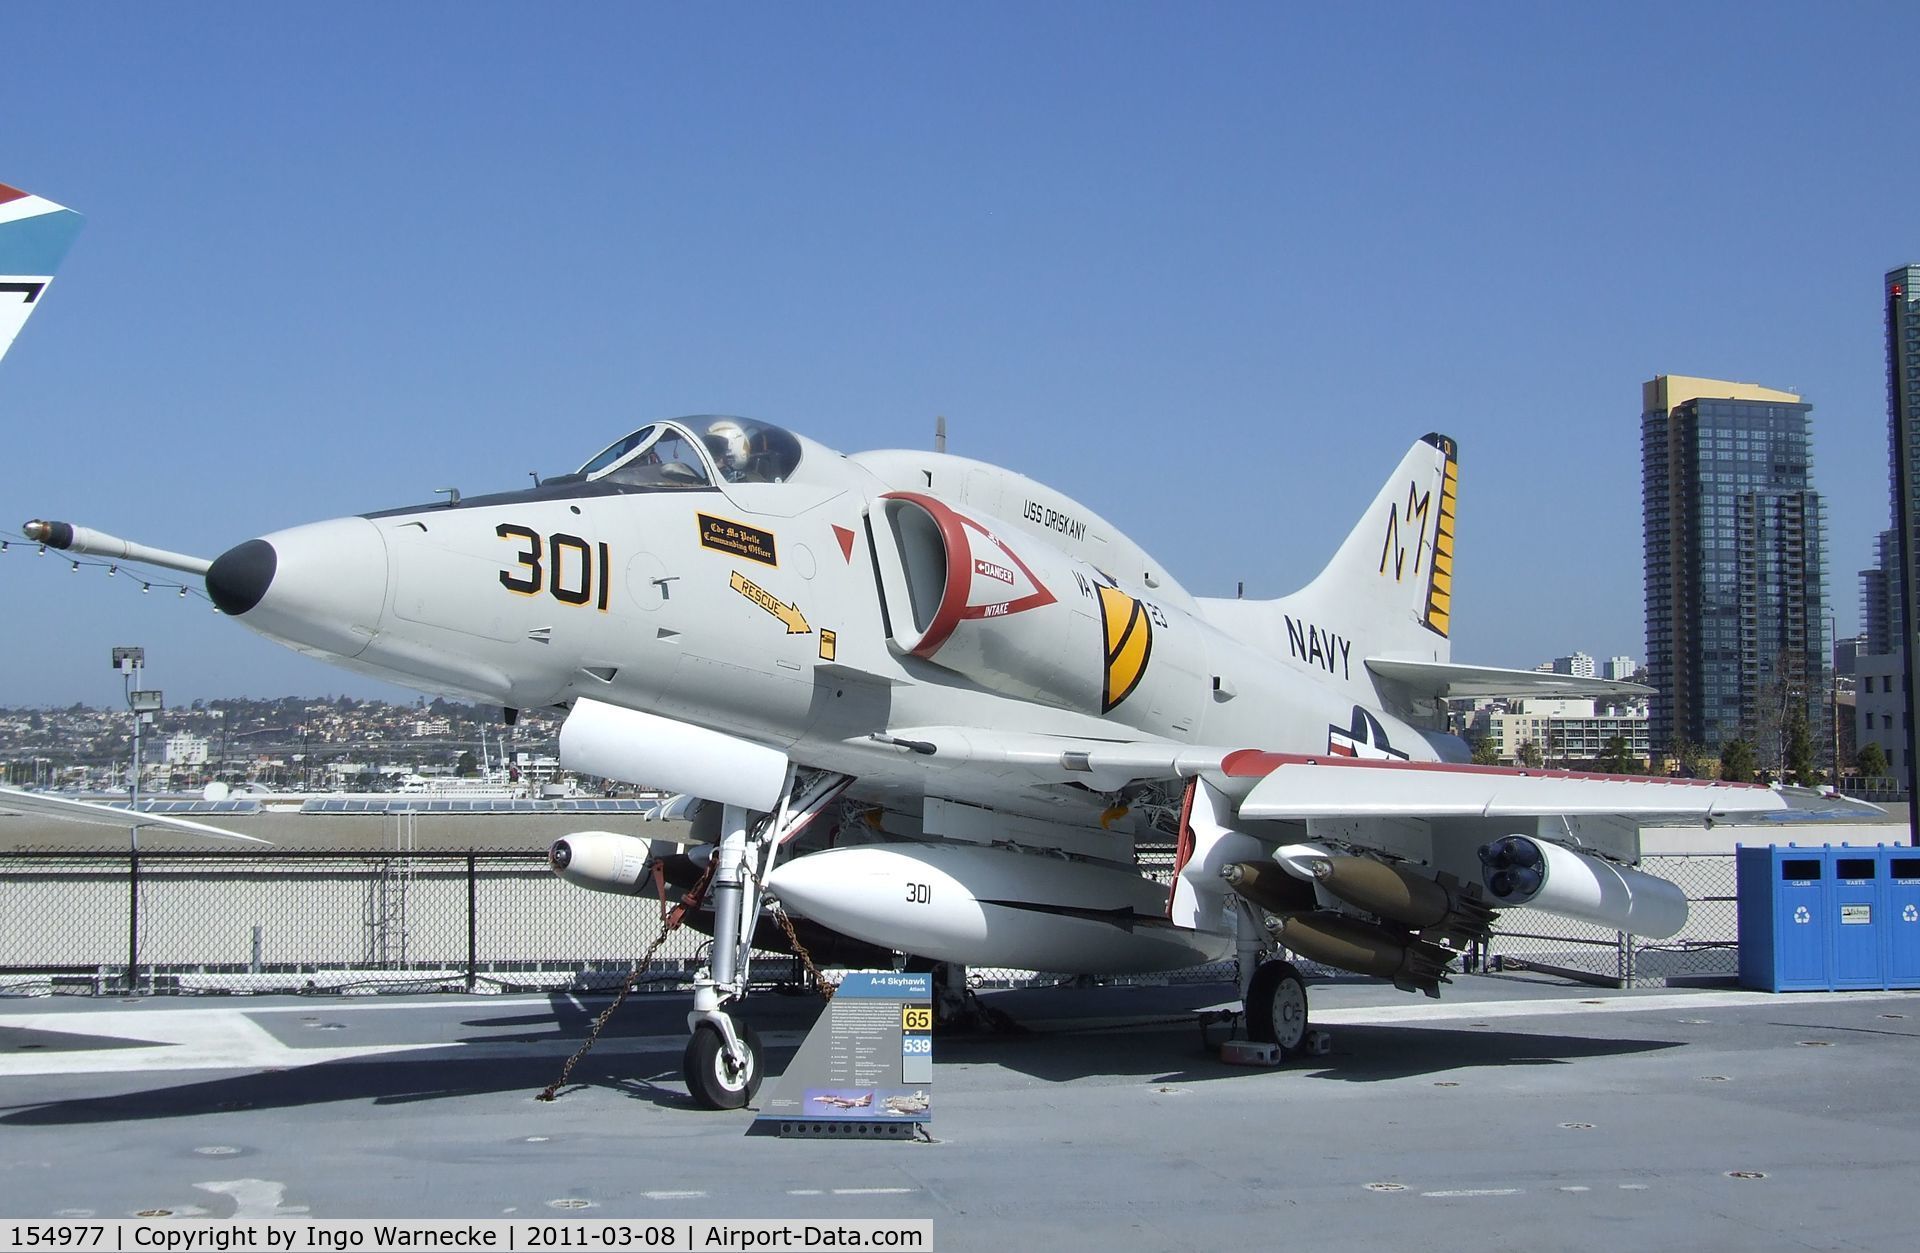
point(1903, 437)
point(1735, 577)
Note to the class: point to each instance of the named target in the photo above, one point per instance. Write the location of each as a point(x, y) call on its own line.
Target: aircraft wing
point(108, 815)
point(1102, 765)
point(1445, 681)
point(1294, 786)
point(1290, 786)
point(1367, 796)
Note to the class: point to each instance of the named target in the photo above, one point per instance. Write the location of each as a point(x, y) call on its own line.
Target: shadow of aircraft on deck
point(1073, 1036)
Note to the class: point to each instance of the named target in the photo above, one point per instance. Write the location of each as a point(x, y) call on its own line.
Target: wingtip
point(10, 193)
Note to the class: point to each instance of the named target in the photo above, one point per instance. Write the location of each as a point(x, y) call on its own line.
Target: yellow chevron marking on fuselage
point(1129, 639)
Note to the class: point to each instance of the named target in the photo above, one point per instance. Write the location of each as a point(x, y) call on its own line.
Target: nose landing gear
point(717, 1077)
point(722, 1058)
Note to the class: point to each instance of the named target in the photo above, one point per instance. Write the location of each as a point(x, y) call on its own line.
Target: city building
point(1877, 706)
point(1579, 665)
point(1565, 730)
point(1903, 439)
point(1735, 576)
point(1847, 651)
point(1880, 612)
point(1620, 668)
point(186, 749)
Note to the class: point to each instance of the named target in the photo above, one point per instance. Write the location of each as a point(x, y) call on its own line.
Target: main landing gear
point(722, 1061)
point(1276, 1002)
point(1274, 994)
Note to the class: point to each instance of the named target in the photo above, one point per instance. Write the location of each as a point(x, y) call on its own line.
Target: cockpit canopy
point(697, 452)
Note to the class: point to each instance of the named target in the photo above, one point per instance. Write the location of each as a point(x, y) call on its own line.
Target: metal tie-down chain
point(689, 901)
point(820, 984)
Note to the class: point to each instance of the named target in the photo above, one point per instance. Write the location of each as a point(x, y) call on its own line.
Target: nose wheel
point(716, 1080)
point(1277, 1007)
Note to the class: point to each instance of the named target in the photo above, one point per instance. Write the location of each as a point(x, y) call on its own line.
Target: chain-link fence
point(292, 922)
point(289, 922)
point(1706, 949)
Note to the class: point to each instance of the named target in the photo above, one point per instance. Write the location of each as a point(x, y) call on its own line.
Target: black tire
point(711, 1081)
point(1277, 1007)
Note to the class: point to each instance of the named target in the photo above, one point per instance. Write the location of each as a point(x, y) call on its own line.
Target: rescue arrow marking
point(790, 615)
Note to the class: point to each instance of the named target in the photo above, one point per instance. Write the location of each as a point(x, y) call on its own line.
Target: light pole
point(1833, 694)
point(145, 704)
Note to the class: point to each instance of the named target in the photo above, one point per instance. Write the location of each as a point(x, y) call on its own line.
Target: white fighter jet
point(936, 706)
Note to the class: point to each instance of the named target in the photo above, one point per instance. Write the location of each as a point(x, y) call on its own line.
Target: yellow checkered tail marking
point(1129, 645)
point(1440, 586)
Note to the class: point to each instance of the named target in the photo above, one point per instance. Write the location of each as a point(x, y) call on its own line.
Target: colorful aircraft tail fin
point(34, 235)
point(1390, 587)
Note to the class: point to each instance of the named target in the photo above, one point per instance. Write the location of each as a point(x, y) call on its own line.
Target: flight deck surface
point(1514, 1114)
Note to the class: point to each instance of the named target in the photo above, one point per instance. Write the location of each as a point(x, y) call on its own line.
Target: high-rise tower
point(1903, 437)
point(1736, 636)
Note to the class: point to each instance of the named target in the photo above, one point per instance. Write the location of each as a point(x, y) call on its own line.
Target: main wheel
point(1277, 1006)
point(713, 1081)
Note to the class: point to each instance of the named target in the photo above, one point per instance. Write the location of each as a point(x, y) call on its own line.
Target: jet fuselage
point(799, 614)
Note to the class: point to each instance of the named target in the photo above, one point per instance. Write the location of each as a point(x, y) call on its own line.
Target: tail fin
point(34, 235)
point(1390, 587)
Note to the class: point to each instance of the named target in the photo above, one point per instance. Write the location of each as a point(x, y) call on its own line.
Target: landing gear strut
point(722, 1059)
point(722, 1067)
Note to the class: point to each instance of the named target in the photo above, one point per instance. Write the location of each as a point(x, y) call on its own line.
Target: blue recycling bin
point(1900, 914)
point(1855, 912)
point(1786, 944)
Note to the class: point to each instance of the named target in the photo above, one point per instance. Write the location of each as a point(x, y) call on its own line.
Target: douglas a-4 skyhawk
point(934, 706)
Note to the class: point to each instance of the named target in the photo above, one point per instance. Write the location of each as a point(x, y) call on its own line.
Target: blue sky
point(1209, 268)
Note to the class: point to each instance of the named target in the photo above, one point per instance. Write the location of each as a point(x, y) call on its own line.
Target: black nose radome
point(240, 576)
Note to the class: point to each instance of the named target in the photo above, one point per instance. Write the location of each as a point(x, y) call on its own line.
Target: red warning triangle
point(845, 537)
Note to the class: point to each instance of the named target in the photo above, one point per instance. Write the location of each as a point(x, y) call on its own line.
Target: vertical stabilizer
point(1388, 592)
point(34, 235)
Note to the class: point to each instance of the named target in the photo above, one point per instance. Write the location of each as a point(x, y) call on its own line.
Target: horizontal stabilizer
point(50, 806)
point(1446, 681)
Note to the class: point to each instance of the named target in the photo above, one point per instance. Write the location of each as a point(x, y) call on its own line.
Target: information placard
point(869, 1057)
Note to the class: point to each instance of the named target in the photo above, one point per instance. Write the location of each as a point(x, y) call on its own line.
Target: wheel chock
point(1249, 1053)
